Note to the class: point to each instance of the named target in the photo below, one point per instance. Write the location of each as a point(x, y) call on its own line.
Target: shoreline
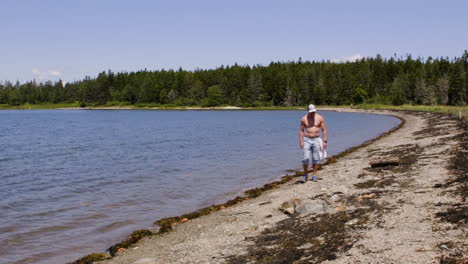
point(167, 225)
point(407, 213)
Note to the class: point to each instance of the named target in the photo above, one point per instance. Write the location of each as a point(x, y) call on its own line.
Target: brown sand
point(378, 215)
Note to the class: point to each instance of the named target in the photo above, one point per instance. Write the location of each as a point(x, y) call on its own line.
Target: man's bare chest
point(312, 123)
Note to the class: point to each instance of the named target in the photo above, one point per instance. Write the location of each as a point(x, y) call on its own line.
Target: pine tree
point(172, 96)
point(254, 88)
point(456, 92)
point(318, 97)
point(441, 90)
point(214, 97)
point(398, 88)
point(424, 94)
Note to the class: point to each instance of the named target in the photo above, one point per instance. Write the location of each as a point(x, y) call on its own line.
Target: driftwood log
point(383, 162)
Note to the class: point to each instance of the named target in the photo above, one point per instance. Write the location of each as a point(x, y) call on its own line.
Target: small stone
point(444, 247)
point(184, 220)
point(352, 222)
point(305, 246)
point(335, 198)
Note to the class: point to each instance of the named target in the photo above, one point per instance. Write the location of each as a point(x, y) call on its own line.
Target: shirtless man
point(310, 140)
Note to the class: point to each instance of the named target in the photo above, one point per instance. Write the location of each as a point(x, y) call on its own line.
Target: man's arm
point(325, 134)
point(301, 135)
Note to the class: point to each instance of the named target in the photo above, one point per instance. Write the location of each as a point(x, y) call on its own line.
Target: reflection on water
point(76, 181)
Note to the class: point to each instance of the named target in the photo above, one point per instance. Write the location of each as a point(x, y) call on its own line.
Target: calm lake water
point(73, 182)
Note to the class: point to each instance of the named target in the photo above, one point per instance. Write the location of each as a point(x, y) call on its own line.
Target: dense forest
point(394, 81)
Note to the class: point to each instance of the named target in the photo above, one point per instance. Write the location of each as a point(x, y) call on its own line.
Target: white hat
point(312, 108)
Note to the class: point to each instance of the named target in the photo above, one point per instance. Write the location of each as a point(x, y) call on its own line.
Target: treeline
point(369, 80)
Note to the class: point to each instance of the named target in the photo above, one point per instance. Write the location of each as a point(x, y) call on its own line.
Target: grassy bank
point(39, 106)
point(455, 110)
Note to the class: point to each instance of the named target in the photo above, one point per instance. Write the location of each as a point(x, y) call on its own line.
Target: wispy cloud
point(55, 73)
point(351, 58)
point(45, 75)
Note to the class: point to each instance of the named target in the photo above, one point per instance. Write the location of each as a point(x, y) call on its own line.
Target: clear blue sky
point(68, 39)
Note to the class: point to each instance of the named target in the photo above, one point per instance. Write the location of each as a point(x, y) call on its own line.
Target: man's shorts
point(311, 150)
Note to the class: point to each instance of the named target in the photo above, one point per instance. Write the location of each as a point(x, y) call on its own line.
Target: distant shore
point(456, 110)
point(359, 202)
point(453, 110)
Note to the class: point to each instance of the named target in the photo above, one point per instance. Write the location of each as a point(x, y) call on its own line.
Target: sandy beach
point(414, 212)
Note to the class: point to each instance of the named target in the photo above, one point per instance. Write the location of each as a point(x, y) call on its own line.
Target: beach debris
point(145, 261)
point(340, 208)
point(368, 196)
point(120, 250)
point(340, 189)
point(311, 207)
point(384, 162)
point(296, 205)
point(289, 207)
point(184, 220)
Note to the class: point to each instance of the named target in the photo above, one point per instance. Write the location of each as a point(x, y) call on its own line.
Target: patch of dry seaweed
point(455, 215)
point(433, 127)
point(302, 240)
point(453, 253)
point(458, 164)
point(381, 183)
point(459, 168)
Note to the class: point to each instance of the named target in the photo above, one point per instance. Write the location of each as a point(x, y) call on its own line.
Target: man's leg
point(306, 158)
point(315, 169)
point(315, 160)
